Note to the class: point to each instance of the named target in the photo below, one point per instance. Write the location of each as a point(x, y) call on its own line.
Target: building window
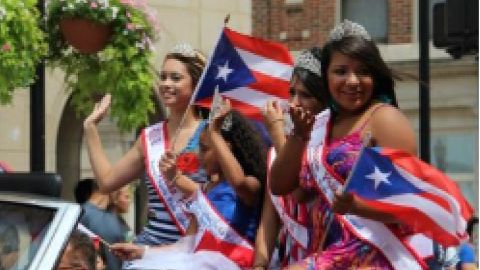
point(372, 14)
point(294, 2)
point(455, 154)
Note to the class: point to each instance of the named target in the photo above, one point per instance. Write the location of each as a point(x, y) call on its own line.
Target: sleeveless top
point(160, 228)
point(243, 218)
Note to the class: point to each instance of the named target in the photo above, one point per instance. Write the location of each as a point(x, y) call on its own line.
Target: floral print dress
point(342, 249)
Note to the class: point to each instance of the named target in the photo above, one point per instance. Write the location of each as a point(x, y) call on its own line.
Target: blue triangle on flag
point(362, 182)
point(226, 69)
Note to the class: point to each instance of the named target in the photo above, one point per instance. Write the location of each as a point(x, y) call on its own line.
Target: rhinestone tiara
point(308, 61)
point(348, 29)
point(184, 49)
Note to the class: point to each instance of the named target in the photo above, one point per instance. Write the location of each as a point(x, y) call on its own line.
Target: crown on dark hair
point(348, 29)
point(308, 61)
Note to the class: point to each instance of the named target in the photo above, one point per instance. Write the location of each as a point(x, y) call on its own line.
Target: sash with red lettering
point(155, 139)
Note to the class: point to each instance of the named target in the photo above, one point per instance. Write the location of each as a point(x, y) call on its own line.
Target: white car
point(34, 229)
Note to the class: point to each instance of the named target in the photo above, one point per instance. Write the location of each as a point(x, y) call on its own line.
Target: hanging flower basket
point(85, 35)
point(116, 60)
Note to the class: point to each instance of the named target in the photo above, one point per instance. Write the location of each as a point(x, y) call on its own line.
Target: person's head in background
point(87, 190)
point(84, 189)
point(351, 60)
point(9, 241)
point(306, 88)
point(79, 253)
point(120, 200)
point(180, 73)
point(472, 228)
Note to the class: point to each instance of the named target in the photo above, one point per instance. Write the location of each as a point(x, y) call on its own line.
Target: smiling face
point(299, 96)
point(350, 82)
point(176, 87)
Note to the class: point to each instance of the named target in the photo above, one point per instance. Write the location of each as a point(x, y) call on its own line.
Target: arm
point(131, 251)
point(168, 167)
point(109, 177)
point(286, 167)
point(390, 128)
point(266, 233)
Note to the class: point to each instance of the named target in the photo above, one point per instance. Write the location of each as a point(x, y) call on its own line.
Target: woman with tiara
point(180, 134)
point(347, 233)
point(289, 214)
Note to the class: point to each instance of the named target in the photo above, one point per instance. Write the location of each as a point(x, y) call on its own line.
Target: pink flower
point(93, 5)
point(130, 26)
point(6, 47)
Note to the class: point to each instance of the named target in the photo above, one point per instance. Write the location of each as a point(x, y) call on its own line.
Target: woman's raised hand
point(302, 122)
point(99, 111)
point(217, 120)
point(168, 166)
point(273, 115)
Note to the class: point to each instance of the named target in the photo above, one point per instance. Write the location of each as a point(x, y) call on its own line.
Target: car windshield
point(22, 229)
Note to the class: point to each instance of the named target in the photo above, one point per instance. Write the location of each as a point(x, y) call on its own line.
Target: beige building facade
point(454, 83)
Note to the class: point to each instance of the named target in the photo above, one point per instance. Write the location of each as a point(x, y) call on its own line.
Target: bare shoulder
point(391, 128)
point(386, 115)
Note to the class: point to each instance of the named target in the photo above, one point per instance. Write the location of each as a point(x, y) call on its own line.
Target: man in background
point(99, 218)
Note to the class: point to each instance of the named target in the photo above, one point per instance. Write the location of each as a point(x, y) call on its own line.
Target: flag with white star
point(415, 193)
point(247, 70)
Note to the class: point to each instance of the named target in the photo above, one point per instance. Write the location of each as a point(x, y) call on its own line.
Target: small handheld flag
point(216, 105)
point(95, 237)
point(400, 184)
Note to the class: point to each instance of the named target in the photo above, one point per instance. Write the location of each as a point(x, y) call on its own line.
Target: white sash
point(154, 140)
point(399, 253)
point(213, 227)
point(298, 232)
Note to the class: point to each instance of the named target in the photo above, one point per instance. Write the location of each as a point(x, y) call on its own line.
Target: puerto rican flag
point(242, 255)
point(417, 194)
point(247, 70)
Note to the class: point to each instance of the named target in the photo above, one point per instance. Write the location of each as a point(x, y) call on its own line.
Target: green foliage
point(123, 68)
point(22, 45)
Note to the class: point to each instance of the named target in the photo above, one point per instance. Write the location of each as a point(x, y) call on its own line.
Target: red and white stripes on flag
point(247, 70)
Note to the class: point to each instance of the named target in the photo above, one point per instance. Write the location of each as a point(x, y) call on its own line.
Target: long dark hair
point(367, 53)
point(311, 81)
point(247, 146)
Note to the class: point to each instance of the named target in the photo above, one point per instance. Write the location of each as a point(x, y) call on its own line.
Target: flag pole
point(365, 143)
point(195, 91)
